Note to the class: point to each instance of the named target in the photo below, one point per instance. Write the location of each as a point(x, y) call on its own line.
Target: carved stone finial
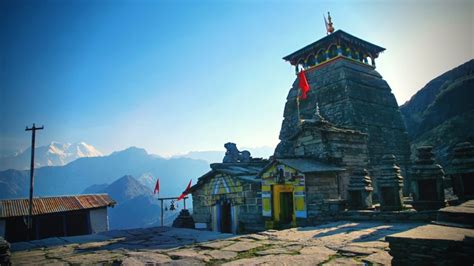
point(329, 25)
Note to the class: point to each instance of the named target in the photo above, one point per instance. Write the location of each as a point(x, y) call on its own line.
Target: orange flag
point(303, 84)
point(186, 191)
point(157, 186)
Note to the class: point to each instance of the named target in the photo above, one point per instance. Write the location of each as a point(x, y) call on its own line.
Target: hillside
point(80, 174)
point(136, 205)
point(441, 114)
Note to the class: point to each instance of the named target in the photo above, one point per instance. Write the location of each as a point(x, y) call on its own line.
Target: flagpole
point(298, 99)
point(298, 105)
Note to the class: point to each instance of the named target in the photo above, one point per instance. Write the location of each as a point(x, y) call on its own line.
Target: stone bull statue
point(233, 155)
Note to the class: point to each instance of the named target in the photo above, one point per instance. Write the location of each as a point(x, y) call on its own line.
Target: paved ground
point(334, 243)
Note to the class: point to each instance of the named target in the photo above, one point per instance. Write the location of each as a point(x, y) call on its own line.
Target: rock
point(216, 244)
point(242, 246)
point(324, 251)
point(343, 261)
point(222, 254)
point(274, 251)
point(358, 250)
point(257, 237)
point(379, 258)
point(141, 258)
point(188, 253)
point(282, 260)
point(186, 261)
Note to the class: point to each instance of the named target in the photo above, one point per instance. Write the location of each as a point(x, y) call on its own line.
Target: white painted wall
point(3, 224)
point(99, 220)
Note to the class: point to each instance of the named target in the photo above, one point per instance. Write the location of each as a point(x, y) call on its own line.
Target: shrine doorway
point(225, 217)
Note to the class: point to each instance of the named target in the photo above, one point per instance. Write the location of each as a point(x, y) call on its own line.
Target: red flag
point(157, 187)
point(185, 192)
point(303, 84)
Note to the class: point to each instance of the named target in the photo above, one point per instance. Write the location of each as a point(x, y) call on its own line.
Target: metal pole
point(161, 212)
point(32, 176)
point(185, 203)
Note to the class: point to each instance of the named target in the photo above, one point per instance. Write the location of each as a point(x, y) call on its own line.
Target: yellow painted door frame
point(276, 190)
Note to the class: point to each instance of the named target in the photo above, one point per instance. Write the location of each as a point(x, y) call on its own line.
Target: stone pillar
point(427, 181)
point(390, 184)
point(360, 190)
point(462, 172)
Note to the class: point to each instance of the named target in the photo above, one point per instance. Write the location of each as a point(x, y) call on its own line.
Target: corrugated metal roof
point(19, 207)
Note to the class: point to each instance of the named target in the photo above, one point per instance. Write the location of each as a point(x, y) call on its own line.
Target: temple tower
point(340, 69)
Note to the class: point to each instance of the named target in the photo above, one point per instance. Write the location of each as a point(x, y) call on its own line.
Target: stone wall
point(322, 198)
point(250, 214)
point(201, 211)
point(354, 96)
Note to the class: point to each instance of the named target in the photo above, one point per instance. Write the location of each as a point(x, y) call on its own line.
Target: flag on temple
point(157, 186)
point(303, 84)
point(186, 191)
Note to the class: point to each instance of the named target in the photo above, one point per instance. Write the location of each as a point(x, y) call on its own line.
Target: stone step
point(462, 214)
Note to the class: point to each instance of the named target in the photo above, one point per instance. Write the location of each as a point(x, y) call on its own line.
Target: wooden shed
point(55, 216)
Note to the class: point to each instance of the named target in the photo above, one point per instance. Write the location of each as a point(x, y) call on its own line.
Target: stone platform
point(448, 241)
point(334, 243)
point(462, 214)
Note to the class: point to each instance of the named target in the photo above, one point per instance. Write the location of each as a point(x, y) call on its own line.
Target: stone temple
point(340, 69)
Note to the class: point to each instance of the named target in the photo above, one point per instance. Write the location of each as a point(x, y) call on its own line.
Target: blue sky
point(177, 76)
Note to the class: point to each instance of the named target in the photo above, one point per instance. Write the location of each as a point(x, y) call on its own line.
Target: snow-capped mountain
point(54, 154)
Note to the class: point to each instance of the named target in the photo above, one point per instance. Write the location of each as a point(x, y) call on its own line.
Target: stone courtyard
point(329, 244)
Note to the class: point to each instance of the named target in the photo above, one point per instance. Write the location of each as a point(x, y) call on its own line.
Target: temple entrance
point(225, 217)
point(286, 207)
point(283, 205)
point(427, 190)
point(468, 184)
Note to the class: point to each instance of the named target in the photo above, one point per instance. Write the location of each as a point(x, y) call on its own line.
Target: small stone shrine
point(227, 198)
point(462, 172)
point(360, 190)
point(390, 184)
point(427, 182)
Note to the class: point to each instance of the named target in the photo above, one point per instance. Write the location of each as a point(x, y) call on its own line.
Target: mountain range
point(80, 174)
point(441, 114)
point(54, 154)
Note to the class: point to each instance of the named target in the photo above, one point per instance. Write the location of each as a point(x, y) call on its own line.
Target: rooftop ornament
point(328, 22)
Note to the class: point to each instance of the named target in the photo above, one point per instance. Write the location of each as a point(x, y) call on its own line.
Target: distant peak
point(132, 151)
